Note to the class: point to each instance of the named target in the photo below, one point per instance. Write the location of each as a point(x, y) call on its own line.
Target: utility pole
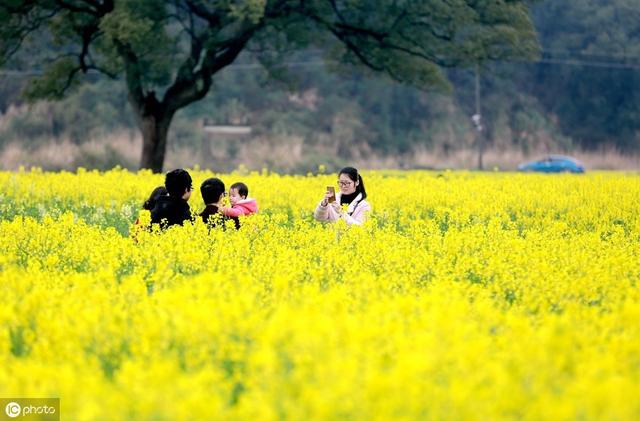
point(477, 120)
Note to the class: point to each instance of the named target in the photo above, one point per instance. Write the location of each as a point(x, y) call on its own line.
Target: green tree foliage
point(169, 51)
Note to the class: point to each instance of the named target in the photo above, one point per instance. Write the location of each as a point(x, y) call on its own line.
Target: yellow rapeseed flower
point(464, 296)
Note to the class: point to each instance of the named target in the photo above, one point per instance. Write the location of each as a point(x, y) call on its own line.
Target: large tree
point(169, 51)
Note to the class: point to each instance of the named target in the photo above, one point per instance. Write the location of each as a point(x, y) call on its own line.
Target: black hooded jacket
point(218, 220)
point(174, 209)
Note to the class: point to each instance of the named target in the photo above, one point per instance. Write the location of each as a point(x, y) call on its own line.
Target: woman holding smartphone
point(352, 194)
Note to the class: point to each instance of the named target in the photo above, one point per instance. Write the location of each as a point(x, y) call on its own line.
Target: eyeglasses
point(345, 183)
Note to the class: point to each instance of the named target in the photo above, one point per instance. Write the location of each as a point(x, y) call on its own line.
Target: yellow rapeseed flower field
point(465, 296)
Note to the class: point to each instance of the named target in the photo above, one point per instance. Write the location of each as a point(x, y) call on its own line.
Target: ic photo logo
point(12, 409)
point(41, 409)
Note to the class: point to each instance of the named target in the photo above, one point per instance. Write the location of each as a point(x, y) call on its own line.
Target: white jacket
point(356, 213)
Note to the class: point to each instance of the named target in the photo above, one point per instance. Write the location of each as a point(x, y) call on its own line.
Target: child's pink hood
point(250, 205)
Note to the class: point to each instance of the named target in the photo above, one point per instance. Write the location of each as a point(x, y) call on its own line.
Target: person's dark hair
point(150, 203)
point(211, 190)
point(353, 174)
point(177, 182)
point(242, 188)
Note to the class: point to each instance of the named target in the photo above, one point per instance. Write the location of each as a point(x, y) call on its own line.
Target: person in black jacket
point(173, 209)
point(213, 191)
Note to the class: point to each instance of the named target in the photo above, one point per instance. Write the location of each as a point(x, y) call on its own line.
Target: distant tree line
point(580, 93)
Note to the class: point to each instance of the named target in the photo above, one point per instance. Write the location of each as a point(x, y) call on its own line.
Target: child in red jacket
point(240, 204)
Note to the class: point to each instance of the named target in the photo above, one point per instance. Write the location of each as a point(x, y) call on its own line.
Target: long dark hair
point(353, 174)
point(150, 203)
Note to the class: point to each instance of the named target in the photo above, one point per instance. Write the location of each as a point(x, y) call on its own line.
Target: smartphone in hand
point(332, 190)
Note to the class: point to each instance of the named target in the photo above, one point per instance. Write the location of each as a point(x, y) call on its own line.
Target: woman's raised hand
point(327, 195)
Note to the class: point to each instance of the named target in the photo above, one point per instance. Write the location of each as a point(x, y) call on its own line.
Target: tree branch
point(189, 89)
point(94, 3)
point(355, 50)
point(429, 57)
point(20, 32)
point(76, 9)
point(103, 71)
point(432, 30)
point(133, 74)
point(72, 74)
point(212, 18)
point(87, 37)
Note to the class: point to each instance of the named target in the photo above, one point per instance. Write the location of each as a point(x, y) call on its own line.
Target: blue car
point(553, 163)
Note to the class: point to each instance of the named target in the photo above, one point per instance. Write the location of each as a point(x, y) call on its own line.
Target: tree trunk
point(154, 128)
